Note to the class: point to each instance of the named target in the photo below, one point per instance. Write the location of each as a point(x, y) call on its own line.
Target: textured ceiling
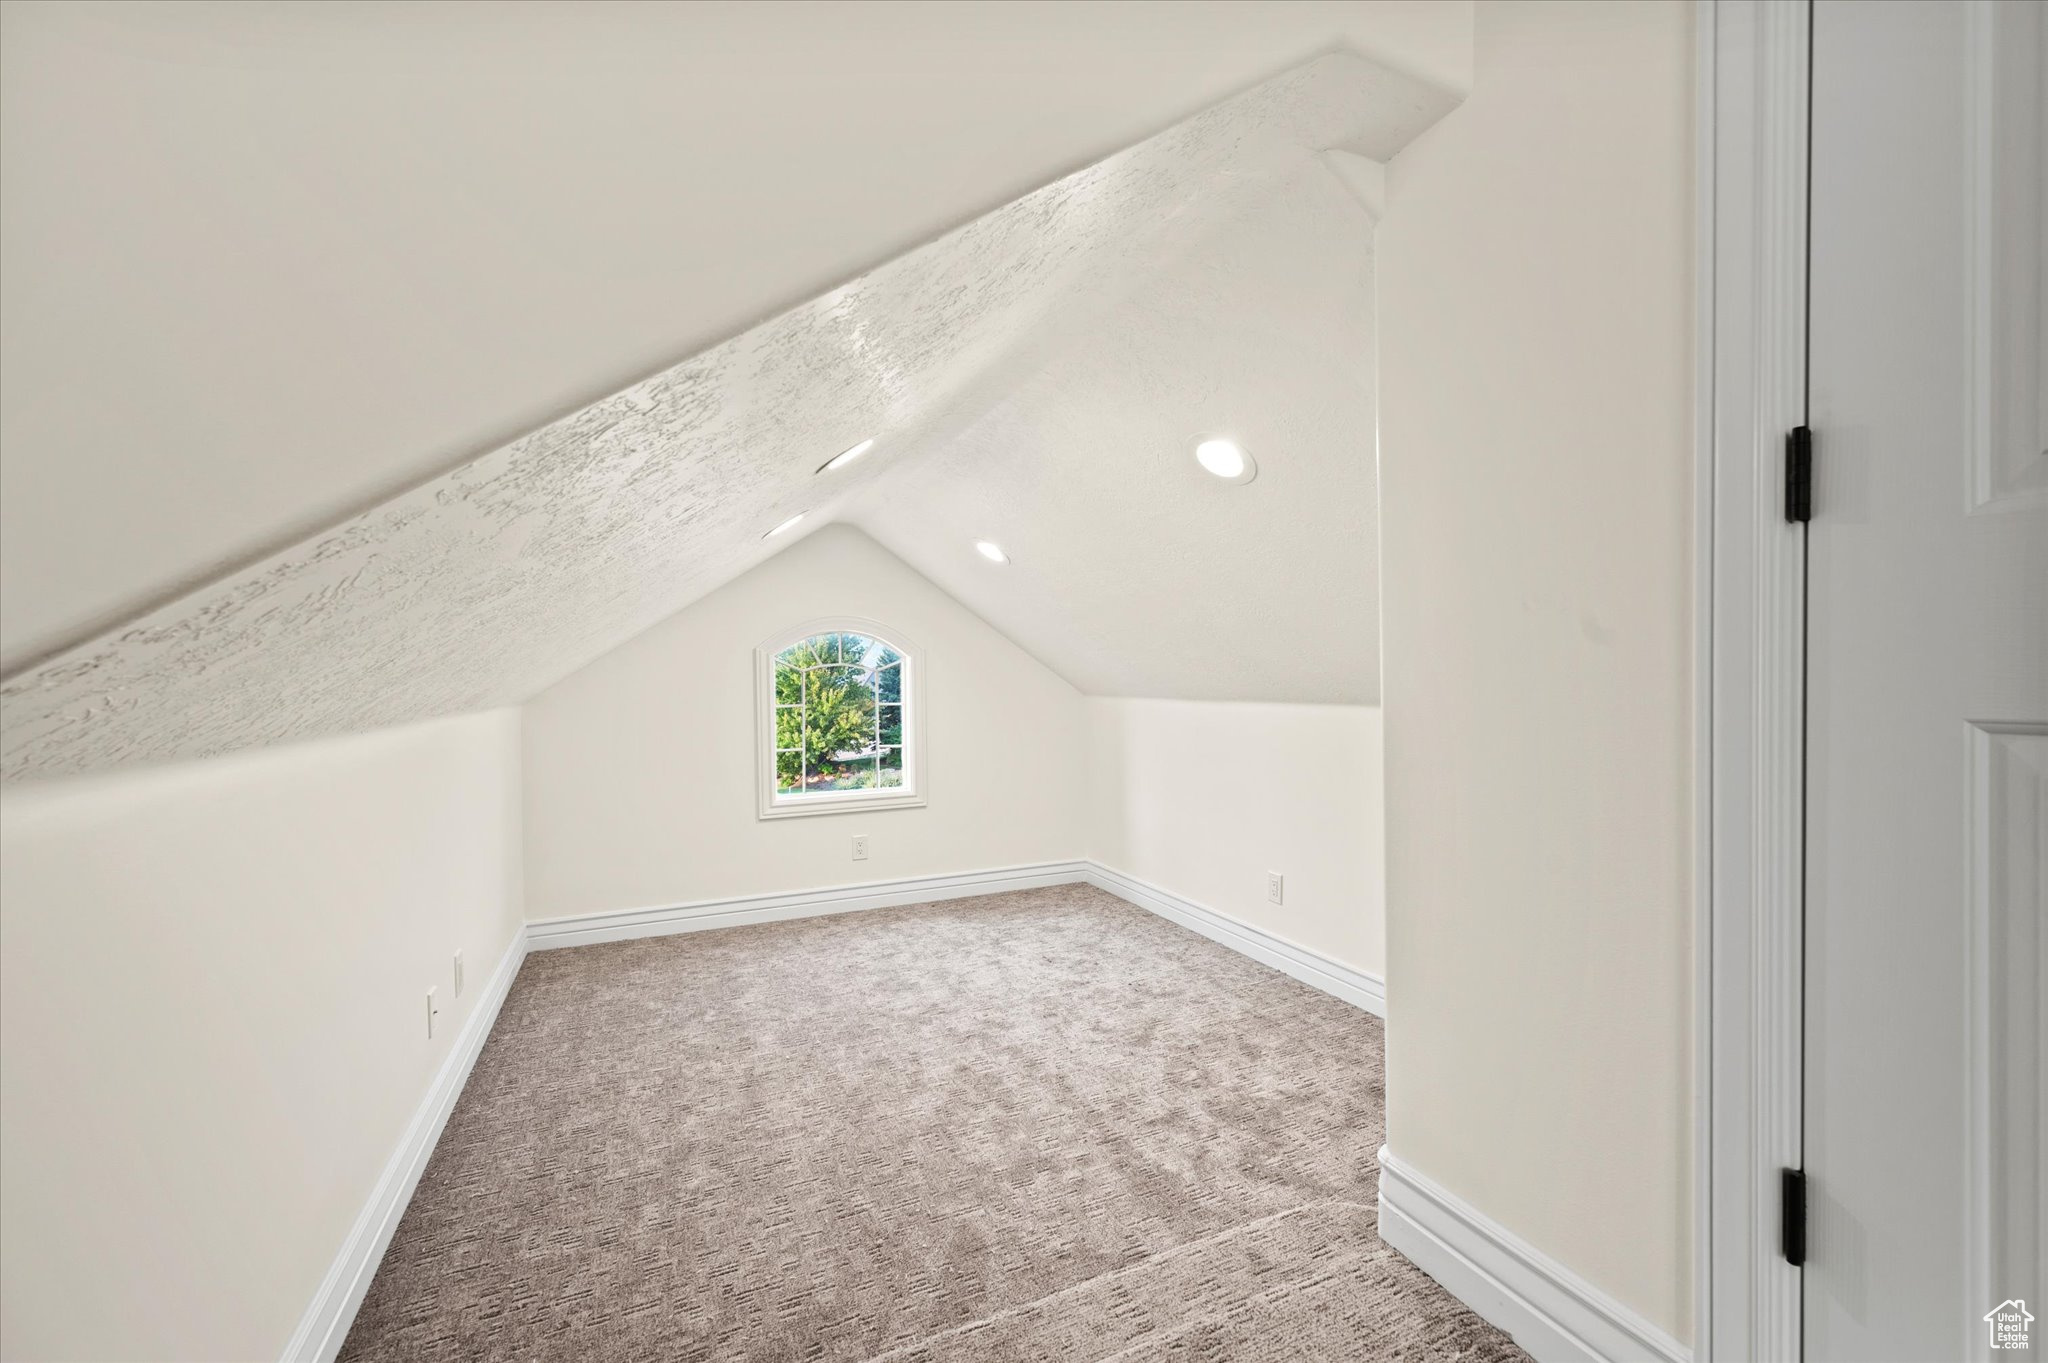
point(1132, 572)
point(480, 588)
point(267, 265)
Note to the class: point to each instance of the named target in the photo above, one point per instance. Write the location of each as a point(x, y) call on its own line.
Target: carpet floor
point(1036, 1125)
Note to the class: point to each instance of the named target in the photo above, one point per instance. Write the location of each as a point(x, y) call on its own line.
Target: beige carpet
point(1040, 1125)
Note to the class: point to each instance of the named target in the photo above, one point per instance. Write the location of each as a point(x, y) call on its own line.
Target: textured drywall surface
point(481, 587)
point(268, 264)
point(1132, 572)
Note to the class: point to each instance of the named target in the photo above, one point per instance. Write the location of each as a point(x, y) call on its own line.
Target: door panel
point(1927, 711)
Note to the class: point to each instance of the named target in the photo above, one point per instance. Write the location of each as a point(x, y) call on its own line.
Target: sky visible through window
point(838, 716)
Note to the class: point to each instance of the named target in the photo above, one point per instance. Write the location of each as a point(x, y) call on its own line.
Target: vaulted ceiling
point(1033, 376)
point(263, 266)
point(1132, 571)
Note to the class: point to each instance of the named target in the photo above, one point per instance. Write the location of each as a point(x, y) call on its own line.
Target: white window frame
point(912, 794)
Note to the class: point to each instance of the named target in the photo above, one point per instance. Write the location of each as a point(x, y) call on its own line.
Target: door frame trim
point(1749, 632)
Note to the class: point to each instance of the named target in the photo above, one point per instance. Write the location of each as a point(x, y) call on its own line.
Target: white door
point(1927, 700)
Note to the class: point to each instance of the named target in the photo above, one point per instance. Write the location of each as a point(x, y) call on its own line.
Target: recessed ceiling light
point(845, 457)
point(992, 552)
point(1227, 460)
point(789, 524)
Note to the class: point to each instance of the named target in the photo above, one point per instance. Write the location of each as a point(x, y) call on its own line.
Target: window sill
point(850, 804)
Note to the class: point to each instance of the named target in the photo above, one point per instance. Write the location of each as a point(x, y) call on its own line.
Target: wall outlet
point(458, 974)
point(433, 1013)
point(860, 847)
point(1276, 887)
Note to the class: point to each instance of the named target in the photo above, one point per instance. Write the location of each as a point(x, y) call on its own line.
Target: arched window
point(838, 719)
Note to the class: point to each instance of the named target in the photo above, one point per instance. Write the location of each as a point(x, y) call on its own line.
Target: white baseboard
point(586, 929)
point(1312, 968)
point(1551, 1312)
point(1554, 1314)
point(325, 1324)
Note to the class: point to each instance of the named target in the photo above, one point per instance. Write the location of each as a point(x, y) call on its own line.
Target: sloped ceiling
point(483, 586)
point(267, 265)
point(1132, 572)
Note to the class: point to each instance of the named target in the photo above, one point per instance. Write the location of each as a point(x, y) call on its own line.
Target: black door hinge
point(1799, 475)
point(1792, 1215)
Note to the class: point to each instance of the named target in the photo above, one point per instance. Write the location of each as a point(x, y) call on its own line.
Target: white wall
point(1203, 798)
point(212, 1022)
point(640, 775)
point(1536, 472)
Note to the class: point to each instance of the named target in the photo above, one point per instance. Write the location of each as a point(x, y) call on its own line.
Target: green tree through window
point(838, 715)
